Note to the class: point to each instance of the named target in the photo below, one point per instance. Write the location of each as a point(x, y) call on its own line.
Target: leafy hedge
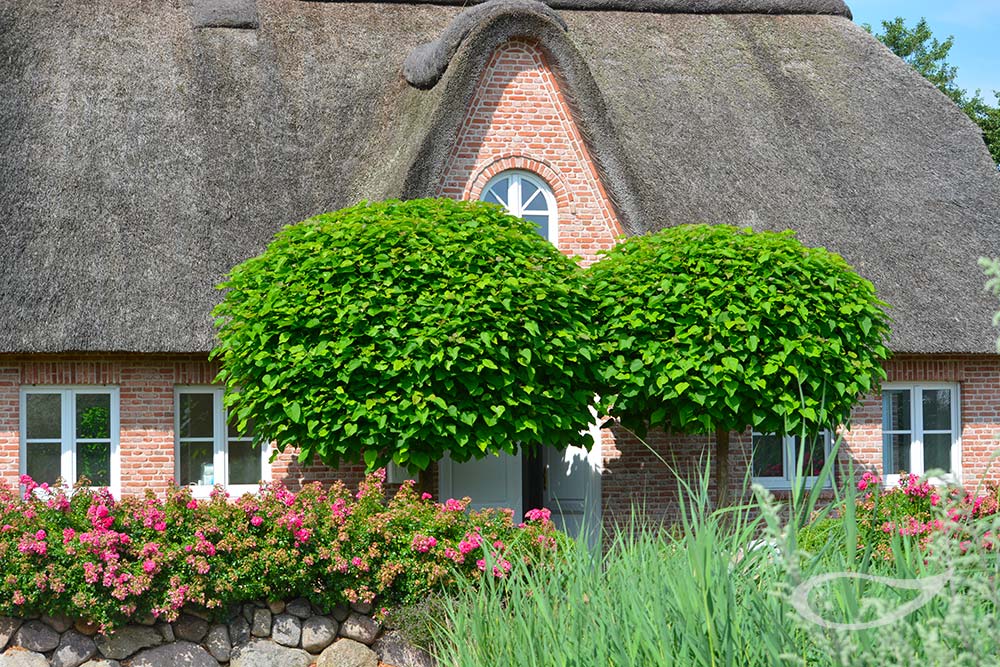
point(113, 560)
point(402, 331)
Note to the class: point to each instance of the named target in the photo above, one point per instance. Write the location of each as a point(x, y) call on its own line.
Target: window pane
point(814, 455)
point(244, 463)
point(537, 205)
point(897, 449)
point(937, 409)
point(94, 462)
point(541, 223)
point(768, 457)
point(234, 432)
point(93, 416)
point(497, 193)
point(44, 418)
point(528, 190)
point(937, 452)
point(197, 463)
point(43, 461)
point(896, 409)
point(196, 418)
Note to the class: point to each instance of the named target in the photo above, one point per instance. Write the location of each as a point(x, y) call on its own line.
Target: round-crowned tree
point(709, 328)
point(402, 331)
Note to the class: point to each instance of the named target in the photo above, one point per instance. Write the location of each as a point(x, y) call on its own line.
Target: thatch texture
point(141, 157)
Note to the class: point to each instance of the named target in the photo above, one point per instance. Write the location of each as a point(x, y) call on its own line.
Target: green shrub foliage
point(401, 331)
point(709, 326)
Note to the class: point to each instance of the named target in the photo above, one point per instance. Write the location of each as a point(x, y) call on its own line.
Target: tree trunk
point(721, 467)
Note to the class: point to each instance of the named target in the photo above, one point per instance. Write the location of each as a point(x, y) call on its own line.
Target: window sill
point(201, 492)
point(782, 484)
point(951, 479)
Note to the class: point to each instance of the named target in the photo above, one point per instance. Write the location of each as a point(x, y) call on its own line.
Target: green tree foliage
point(712, 328)
point(988, 119)
point(402, 331)
point(918, 47)
point(991, 267)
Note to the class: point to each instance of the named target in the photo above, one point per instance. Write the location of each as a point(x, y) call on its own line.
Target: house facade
point(146, 150)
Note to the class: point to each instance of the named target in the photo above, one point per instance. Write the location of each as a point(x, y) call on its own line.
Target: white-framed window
point(210, 450)
point(921, 429)
point(527, 196)
point(71, 432)
point(775, 458)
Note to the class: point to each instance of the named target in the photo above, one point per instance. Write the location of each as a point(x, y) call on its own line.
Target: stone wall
point(275, 634)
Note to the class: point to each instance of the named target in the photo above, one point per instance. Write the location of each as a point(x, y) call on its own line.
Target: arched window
point(527, 196)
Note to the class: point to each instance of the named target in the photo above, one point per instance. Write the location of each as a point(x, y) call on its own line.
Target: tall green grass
point(716, 591)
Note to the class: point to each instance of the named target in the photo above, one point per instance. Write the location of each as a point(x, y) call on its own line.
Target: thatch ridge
point(426, 64)
point(816, 7)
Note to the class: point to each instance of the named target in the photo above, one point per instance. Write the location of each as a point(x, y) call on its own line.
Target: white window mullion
point(221, 437)
point(788, 457)
point(514, 195)
point(116, 469)
point(956, 433)
point(68, 431)
point(917, 428)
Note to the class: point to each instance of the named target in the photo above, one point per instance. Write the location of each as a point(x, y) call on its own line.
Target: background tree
point(918, 47)
point(991, 267)
point(402, 331)
point(708, 328)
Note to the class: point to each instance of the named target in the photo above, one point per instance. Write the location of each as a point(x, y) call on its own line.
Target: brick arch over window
point(540, 169)
point(519, 118)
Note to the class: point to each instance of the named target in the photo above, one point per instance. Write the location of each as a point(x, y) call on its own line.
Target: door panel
point(494, 481)
point(572, 486)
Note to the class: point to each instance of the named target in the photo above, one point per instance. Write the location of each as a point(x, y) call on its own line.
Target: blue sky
point(975, 25)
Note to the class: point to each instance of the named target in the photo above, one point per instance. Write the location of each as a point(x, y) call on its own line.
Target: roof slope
point(808, 123)
point(140, 158)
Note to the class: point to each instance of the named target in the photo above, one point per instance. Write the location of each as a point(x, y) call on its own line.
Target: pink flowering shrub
point(913, 508)
point(89, 555)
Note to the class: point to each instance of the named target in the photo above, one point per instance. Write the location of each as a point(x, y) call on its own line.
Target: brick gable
point(520, 118)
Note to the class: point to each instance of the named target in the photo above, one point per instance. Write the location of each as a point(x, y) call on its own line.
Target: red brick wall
point(146, 392)
point(633, 472)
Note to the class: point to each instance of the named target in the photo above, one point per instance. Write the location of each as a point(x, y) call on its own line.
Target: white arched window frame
point(527, 196)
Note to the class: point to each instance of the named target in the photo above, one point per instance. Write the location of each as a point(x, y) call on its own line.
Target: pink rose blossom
point(542, 515)
point(453, 505)
point(423, 543)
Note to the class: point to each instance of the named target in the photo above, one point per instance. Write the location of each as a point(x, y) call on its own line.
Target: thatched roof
point(142, 157)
